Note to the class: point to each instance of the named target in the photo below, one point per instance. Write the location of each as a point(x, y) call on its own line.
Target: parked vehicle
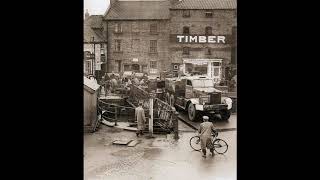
point(197, 96)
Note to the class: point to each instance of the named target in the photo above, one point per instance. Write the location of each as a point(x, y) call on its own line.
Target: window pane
point(118, 45)
point(185, 30)
point(153, 64)
point(186, 13)
point(199, 68)
point(185, 50)
point(209, 30)
point(209, 14)
point(153, 28)
point(153, 46)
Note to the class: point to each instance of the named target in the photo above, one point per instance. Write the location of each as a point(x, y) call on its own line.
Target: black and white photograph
point(160, 89)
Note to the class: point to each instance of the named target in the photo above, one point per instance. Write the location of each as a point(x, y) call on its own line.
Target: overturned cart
point(160, 116)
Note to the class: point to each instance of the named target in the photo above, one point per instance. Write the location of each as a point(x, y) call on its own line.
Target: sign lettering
point(201, 39)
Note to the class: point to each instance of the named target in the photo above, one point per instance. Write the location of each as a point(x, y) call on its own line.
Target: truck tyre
point(192, 113)
point(225, 115)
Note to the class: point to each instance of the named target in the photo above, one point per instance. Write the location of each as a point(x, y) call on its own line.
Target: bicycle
point(219, 145)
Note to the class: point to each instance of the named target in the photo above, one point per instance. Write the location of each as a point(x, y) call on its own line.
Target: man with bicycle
point(205, 132)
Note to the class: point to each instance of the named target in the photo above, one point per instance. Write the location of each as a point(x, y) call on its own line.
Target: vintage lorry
point(197, 96)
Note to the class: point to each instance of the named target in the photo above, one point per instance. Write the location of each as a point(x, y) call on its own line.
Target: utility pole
point(94, 58)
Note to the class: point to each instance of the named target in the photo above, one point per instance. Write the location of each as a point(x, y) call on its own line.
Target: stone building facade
point(142, 35)
point(138, 36)
point(203, 18)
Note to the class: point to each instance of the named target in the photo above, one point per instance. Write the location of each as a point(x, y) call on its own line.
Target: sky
point(96, 7)
point(99, 7)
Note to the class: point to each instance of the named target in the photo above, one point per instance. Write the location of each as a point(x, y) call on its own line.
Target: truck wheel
point(192, 113)
point(225, 115)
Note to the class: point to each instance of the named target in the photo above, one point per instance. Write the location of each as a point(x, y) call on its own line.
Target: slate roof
point(92, 27)
point(206, 4)
point(138, 10)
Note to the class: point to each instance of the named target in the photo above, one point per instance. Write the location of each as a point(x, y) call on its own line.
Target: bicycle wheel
point(195, 143)
point(220, 146)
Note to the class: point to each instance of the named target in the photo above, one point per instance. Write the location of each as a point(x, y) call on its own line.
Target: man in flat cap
point(205, 132)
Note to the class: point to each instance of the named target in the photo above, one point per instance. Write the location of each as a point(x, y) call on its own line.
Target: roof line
point(134, 19)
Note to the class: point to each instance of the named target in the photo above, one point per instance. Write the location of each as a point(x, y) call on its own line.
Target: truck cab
point(197, 96)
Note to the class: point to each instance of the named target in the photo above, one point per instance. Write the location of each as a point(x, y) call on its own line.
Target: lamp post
point(93, 57)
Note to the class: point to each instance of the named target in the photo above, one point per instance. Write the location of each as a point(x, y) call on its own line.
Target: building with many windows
point(194, 36)
point(203, 36)
point(138, 36)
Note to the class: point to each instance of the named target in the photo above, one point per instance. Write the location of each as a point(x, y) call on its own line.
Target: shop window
point(135, 67)
point(208, 30)
point(118, 28)
point(153, 64)
point(209, 14)
point(153, 29)
point(186, 13)
point(186, 30)
point(117, 45)
point(153, 46)
point(185, 51)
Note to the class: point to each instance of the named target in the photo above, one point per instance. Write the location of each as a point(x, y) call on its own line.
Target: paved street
point(157, 158)
point(230, 125)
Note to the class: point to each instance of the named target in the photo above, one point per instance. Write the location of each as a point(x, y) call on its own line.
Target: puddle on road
point(151, 153)
point(126, 152)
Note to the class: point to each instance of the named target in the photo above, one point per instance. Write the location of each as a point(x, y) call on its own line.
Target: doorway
point(135, 67)
point(118, 66)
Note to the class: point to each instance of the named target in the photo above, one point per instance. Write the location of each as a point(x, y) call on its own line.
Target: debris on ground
point(108, 123)
point(122, 142)
point(133, 143)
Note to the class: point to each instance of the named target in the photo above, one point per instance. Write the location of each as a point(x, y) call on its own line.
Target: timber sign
point(212, 39)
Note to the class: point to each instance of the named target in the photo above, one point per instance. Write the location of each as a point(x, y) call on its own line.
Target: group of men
point(112, 82)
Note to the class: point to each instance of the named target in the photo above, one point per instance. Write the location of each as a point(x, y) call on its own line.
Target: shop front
point(205, 67)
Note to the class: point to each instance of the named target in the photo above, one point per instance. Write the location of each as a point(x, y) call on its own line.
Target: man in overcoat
point(140, 117)
point(205, 132)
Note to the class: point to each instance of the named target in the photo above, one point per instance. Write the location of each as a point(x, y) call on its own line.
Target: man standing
point(140, 116)
point(205, 132)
